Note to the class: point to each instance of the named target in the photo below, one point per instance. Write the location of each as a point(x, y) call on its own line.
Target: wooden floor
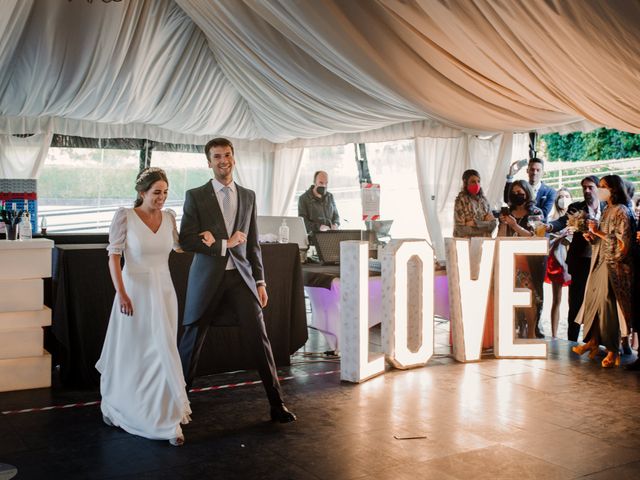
point(564, 417)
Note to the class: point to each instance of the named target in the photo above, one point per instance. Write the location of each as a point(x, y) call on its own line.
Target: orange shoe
point(584, 348)
point(611, 360)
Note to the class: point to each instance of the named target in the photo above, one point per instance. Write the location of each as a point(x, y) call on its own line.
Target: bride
point(142, 385)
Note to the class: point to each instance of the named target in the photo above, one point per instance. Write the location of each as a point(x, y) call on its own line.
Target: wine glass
point(536, 225)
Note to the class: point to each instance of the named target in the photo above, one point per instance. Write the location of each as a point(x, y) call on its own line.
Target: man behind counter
point(317, 206)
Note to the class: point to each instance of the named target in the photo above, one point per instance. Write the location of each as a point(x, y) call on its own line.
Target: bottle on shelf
point(283, 232)
point(43, 226)
point(26, 232)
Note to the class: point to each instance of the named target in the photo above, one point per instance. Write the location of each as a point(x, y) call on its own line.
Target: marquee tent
point(279, 75)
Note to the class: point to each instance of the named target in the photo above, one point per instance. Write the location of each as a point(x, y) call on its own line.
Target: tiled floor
point(564, 417)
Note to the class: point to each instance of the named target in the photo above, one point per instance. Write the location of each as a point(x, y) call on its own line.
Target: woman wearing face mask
point(472, 215)
point(529, 269)
point(557, 271)
point(606, 310)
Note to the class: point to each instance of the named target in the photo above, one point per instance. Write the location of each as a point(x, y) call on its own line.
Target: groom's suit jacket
point(202, 212)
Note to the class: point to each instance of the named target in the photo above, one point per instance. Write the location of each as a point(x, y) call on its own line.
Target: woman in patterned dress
point(606, 309)
point(472, 215)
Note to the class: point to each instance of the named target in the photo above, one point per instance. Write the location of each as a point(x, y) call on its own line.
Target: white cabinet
point(23, 361)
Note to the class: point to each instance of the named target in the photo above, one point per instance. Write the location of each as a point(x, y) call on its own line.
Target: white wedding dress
point(142, 384)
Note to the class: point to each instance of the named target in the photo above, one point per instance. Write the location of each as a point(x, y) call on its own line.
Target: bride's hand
point(126, 307)
point(207, 238)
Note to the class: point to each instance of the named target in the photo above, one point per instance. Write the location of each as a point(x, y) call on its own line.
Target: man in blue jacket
point(545, 195)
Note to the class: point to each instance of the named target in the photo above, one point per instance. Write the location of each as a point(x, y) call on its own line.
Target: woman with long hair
point(142, 384)
point(606, 309)
point(557, 273)
point(529, 269)
point(472, 215)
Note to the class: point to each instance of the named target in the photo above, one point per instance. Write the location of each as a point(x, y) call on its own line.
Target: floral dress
point(471, 208)
point(607, 296)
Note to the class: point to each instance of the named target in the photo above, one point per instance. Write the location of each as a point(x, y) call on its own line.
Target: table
point(322, 284)
point(82, 296)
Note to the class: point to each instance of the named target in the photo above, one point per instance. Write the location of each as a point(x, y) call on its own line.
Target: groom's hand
point(262, 293)
point(207, 238)
point(236, 239)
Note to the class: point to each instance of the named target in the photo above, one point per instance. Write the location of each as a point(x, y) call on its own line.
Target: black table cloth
point(82, 296)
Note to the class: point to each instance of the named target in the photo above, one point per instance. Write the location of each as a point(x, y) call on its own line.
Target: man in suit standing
point(544, 194)
point(579, 254)
point(219, 226)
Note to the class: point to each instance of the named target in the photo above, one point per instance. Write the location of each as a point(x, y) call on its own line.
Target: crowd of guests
point(594, 249)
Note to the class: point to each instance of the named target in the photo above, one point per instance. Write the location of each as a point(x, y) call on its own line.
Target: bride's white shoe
point(177, 441)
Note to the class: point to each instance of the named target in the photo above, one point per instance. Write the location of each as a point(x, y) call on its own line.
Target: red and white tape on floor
point(193, 390)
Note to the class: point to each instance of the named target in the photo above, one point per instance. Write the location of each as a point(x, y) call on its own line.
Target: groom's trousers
point(237, 294)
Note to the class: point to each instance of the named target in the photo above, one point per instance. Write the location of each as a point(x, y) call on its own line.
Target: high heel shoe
point(611, 360)
point(584, 348)
point(177, 441)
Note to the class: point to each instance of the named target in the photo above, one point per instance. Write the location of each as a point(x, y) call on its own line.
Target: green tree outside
point(600, 144)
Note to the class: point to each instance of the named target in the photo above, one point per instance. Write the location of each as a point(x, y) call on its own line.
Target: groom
point(219, 226)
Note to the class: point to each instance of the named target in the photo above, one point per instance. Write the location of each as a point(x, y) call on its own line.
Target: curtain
point(440, 163)
point(23, 157)
point(272, 175)
point(286, 172)
point(254, 170)
point(183, 71)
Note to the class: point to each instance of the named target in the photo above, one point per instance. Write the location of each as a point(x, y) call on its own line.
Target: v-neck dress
point(142, 384)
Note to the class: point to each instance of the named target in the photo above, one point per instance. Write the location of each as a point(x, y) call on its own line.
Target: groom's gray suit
point(209, 282)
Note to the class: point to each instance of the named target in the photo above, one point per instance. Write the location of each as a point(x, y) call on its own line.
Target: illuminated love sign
point(473, 266)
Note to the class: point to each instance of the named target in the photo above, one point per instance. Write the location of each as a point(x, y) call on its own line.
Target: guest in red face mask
point(472, 215)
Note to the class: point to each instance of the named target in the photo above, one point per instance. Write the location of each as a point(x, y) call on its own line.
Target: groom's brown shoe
point(280, 413)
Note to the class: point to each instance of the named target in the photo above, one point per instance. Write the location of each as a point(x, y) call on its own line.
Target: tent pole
point(361, 161)
point(533, 138)
point(145, 154)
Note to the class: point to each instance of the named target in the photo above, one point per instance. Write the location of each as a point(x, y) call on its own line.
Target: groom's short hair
point(218, 142)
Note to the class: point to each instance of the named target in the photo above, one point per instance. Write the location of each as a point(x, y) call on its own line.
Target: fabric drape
point(440, 181)
point(23, 157)
point(183, 71)
point(254, 170)
point(286, 173)
point(272, 175)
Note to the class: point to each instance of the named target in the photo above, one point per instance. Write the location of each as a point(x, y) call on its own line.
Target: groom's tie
point(226, 209)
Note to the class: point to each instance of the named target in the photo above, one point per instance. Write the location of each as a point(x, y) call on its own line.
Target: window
point(184, 171)
point(80, 188)
point(393, 166)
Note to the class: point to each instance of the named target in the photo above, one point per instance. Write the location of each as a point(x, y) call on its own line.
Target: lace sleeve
point(176, 242)
point(118, 232)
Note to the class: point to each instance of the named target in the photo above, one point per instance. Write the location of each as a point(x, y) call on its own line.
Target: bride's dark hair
point(145, 179)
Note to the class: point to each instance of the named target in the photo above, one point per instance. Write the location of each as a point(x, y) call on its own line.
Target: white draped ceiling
point(277, 76)
point(316, 71)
